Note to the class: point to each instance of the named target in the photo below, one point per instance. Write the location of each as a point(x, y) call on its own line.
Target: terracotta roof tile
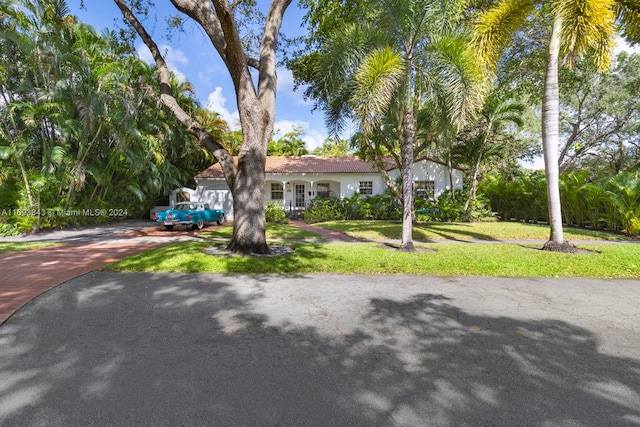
point(305, 164)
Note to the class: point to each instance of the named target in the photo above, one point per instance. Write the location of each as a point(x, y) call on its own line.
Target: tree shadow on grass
point(450, 232)
point(194, 349)
point(194, 257)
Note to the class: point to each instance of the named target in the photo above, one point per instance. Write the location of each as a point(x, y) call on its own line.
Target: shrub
point(633, 229)
point(320, 210)
point(275, 213)
point(605, 203)
point(380, 206)
point(8, 230)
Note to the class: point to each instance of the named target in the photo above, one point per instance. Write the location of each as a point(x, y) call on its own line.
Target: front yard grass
point(491, 230)
point(274, 231)
point(23, 246)
point(441, 259)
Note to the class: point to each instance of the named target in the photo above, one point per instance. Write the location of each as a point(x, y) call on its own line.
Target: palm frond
point(494, 28)
point(587, 25)
point(334, 67)
point(374, 85)
point(460, 78)
point(628, 16)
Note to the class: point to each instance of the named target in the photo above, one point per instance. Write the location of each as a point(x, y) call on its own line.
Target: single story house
point(295, 181)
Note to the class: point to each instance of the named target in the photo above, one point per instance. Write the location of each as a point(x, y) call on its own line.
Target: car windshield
point(186, 207)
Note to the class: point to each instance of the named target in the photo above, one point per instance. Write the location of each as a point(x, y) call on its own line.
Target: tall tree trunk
point(406, 158)
point(450, 168)
point(25, 179)
point(407, 181)
point(78, 169)
point(249, 204)
point(550, 119)
point(256, 108)
point(476, 170)
point(474, 181)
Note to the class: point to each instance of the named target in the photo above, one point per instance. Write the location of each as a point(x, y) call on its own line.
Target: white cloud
point(285, 126)
point(216, 102)
point(536, 163)
point(285, 88)
point(312, 138)
point(623, 46)
point(173, 57)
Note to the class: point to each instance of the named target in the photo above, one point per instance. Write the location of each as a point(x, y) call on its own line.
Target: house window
point(323, 190)
point(277, 192)
point(366, 187)
point(425, 189)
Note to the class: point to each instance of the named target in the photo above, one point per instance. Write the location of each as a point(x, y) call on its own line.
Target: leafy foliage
point(79, 126)
point(381, 206)
point(275, 213)
point(611, 204)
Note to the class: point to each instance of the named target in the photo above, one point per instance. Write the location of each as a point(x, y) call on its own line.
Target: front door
point(300, 192)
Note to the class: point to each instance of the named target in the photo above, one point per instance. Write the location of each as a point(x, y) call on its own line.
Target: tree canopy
point(79, 126)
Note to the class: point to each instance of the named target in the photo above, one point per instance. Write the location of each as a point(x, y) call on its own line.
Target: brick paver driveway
point(27, 274)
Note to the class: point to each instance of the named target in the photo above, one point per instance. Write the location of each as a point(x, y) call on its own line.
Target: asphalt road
point(134, 349)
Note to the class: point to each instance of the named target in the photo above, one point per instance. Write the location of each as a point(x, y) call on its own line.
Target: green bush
point(378, 207)
point(8, 230)
point(386, 207)
point(320, 210)
point(275, 213)
point(520, 198)
point(606, 203)
point(633, 229)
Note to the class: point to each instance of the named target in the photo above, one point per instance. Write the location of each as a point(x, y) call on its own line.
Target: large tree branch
point(237, 60)
point(169, 101)
point(202, 12)
point(267, 67)
point(232, 53)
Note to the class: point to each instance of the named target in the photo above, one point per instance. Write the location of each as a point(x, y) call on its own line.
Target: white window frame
point(277, 191)
point(365, 188)
point(425, 189)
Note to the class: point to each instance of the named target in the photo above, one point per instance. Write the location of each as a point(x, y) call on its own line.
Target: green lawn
point(445, 259)
point(23, 246)
point(621, 260)
point(492, 230)
point(274, 231)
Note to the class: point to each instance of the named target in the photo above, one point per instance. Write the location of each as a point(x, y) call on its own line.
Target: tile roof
point(305, 165)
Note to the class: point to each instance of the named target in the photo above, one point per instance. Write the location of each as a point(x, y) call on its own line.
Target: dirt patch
point(223, 252)
point(575, 250)
point(397, 248)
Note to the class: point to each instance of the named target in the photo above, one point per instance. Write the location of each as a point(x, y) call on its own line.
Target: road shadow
point(180, 349)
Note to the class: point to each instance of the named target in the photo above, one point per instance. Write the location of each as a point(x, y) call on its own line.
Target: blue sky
point(191, 55)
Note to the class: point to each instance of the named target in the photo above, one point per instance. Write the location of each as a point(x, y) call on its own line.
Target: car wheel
point(169, 227)
point(198, 225)
point(220, 220)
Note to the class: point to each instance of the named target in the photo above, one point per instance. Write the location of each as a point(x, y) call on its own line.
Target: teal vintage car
point(191, 214)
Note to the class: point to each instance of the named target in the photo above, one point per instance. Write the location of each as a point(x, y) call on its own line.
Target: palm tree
point(578, 27)
point(495, 115)
point(390, 60)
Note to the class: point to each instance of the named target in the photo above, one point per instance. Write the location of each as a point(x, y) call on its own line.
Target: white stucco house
point(295, 181)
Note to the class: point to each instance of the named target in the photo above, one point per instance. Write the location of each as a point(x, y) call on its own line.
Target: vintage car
point(193, 214)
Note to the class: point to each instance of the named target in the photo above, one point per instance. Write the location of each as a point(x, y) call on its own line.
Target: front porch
point(296, 195)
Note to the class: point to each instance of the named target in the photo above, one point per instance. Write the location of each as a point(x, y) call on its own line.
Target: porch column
point(284, 195)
